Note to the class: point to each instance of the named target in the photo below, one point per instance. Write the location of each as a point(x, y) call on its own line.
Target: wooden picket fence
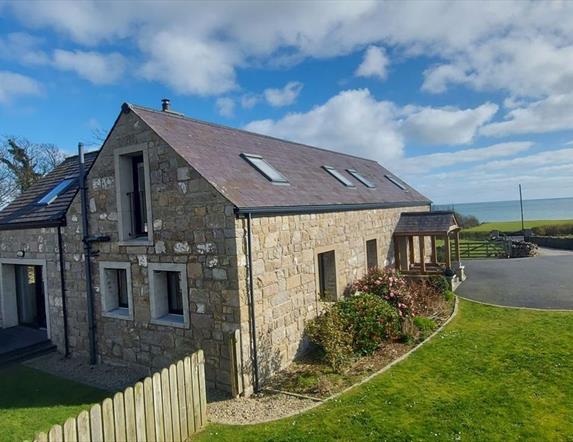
point(167, 407)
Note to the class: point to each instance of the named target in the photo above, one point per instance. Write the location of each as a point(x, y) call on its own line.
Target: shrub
point(388, 285)
point(425, 325)
point(449, 295)
point(554, 230)
point(330, 332)
point(439, 283)
point(371, 321)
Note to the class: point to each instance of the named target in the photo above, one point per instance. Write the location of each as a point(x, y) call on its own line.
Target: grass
point(515, 226)
point(32, 401)
point(492, 374)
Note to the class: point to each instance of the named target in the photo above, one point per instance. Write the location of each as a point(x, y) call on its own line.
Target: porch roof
point(426, 223)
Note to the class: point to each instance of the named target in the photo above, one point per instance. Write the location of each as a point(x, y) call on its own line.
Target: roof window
point(60, 188)
point(361, 178)
point(336, 174)
point(396, 182)
point(269, 172)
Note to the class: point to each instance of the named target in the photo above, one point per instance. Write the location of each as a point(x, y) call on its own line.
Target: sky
point(463, 100)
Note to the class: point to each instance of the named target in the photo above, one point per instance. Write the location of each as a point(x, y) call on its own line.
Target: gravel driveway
point(544, 281)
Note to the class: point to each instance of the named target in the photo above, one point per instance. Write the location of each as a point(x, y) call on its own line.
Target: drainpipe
point(87, 255)
point(63, 288)
point(252, 320)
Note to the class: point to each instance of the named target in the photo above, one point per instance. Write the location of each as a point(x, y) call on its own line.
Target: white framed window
point(133, 192)
point(115, 289)
point(168, 299)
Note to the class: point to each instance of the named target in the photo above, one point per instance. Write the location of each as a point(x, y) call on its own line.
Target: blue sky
point(463, 100)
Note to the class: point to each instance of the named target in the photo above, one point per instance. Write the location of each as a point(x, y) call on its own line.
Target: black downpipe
point(63, 288)
point(252, 321)
point(87, 254)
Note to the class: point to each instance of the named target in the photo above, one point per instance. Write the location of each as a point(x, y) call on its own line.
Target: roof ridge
point(222, 126)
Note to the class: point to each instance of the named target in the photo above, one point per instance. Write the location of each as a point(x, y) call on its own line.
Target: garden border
point(362, 381)
point(535, 309)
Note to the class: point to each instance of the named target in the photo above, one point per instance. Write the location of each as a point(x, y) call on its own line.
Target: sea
point(536, 209)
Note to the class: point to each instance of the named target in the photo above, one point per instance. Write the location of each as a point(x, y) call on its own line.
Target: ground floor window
point(115, 280)
point(327, 275)
point(168, 294)
point(371, 254)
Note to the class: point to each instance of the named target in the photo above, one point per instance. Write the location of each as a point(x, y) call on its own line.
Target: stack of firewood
point(522, 249)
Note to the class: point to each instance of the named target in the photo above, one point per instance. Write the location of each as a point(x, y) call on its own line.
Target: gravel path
point(106, 377)
point(256, 409)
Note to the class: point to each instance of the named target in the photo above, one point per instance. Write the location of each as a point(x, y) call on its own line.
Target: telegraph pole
point(521, 204)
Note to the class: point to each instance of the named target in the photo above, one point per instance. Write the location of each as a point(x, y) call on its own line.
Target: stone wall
point(40, 244)
point(192, 224)
point(285, 272)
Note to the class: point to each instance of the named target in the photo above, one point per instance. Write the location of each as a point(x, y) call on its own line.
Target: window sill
point(135, 242)
point(119, 313)
point(171, 320)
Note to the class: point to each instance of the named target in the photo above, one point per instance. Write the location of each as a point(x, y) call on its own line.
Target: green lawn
point(32, 401)
point(492, 374)
point(515, 226)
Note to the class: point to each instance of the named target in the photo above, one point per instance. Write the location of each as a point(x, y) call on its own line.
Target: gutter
point(63, 289)
point(286, 210)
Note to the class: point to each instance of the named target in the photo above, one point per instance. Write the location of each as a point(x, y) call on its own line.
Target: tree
point(22, 163)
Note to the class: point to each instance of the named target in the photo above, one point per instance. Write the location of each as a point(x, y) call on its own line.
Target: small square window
point(361, 178)
point(371, 254)
point(168, 294)
point(115, 281)
point(270, 173)
point(336, 174)
point(396, 182)
point(327, 275)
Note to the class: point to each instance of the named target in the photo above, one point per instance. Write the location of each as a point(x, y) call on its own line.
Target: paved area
point(14, 338)
point(544, 281)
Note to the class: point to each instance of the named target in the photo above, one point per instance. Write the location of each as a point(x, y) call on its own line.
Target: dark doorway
point(30, 296)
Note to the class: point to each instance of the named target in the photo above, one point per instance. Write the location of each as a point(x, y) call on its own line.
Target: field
point(492, 374)
point(515, 226)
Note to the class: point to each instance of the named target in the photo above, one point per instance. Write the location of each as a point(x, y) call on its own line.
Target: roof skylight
point(336, 174)
point(60, 188)
point(361, 178)
point(270, 173)
point(396, 182)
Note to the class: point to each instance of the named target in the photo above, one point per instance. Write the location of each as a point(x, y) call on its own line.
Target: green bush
point(425, 325)
point(330, 332)
point(371, 321)
point(449, 295)
point(439, 283)
point(554, 230)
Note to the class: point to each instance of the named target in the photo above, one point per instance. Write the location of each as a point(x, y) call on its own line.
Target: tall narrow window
point(137, 198)
point(371, 254)
point(396, 182)
point(327, 275)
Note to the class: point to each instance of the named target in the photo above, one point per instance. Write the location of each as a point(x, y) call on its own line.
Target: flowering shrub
point(390, 286)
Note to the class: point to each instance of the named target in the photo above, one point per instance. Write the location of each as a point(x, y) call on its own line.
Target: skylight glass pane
point(265, 168)
point(56, 191)
point(361, 178)
point(336, 174)
point(395, 182)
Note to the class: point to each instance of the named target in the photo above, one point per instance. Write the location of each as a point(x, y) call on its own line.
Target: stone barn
point(200, 230)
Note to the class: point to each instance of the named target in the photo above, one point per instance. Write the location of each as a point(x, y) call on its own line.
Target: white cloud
point(551, 114)
point(13, 85)
point(446, 125)
point(225, 106)
point(248, 101)
point(374, 64)
point(423, 164)
point(93, 66)
point(285, 96)
point(352, 122)
point(22, 47)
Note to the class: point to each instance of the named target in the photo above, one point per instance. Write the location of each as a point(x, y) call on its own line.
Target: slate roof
point(438, 222)
point(24, 212)
point(214, 151)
